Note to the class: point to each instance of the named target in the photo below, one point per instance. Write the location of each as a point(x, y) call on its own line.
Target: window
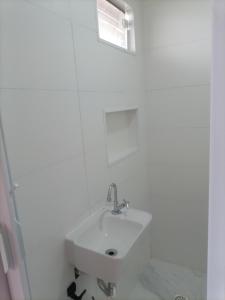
point(115, 23)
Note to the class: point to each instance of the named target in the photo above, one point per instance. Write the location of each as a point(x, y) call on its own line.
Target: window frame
point(131, 42)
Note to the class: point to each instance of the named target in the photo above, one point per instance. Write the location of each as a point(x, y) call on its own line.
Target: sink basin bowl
point(106, 245)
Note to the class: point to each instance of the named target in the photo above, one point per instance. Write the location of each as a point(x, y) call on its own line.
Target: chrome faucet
point(116, 206)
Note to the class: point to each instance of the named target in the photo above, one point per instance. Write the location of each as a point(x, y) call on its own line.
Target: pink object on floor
point(4, 288)
point(13, 276)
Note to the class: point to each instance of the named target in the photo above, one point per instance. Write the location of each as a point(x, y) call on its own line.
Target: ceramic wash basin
point(103, 244)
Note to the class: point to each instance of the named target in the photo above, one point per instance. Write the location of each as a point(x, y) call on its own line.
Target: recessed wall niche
point(121, 133)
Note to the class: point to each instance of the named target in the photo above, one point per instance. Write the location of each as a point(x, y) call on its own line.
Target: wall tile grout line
point(80, 113)
point(178, 87)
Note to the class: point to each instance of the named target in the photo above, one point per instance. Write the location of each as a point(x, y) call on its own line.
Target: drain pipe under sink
point(108, 289)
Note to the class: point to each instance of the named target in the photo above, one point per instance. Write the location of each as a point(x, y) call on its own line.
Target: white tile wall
point(58, 7)
point(47, 272)
point(136, 189)
point(111, 70)
point(57, 196)
point(179, 206)
point(177, 50)
point(179, 146)
point(56, 79)
point(172, 22)
point(50, 204)
point(84, 13)
point(36, 48)
point(179, 107)
point(178, 65)
point(47, 125)
point(95, 140)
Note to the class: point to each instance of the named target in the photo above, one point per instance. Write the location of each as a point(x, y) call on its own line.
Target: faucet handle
point(126, 203)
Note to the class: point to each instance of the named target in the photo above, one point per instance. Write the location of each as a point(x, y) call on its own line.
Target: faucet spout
point(116, 206)
point(112, 186)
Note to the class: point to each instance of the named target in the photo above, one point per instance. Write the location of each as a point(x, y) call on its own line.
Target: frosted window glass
point(113, 26)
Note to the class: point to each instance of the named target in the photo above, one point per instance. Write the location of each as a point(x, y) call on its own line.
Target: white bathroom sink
point(87, 245)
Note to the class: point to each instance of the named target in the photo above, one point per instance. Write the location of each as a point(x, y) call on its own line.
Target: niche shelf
point(121, 133)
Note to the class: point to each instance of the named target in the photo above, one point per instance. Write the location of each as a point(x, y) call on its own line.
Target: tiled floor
point(164, 281)
point(168, 280)
point(140, 293)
